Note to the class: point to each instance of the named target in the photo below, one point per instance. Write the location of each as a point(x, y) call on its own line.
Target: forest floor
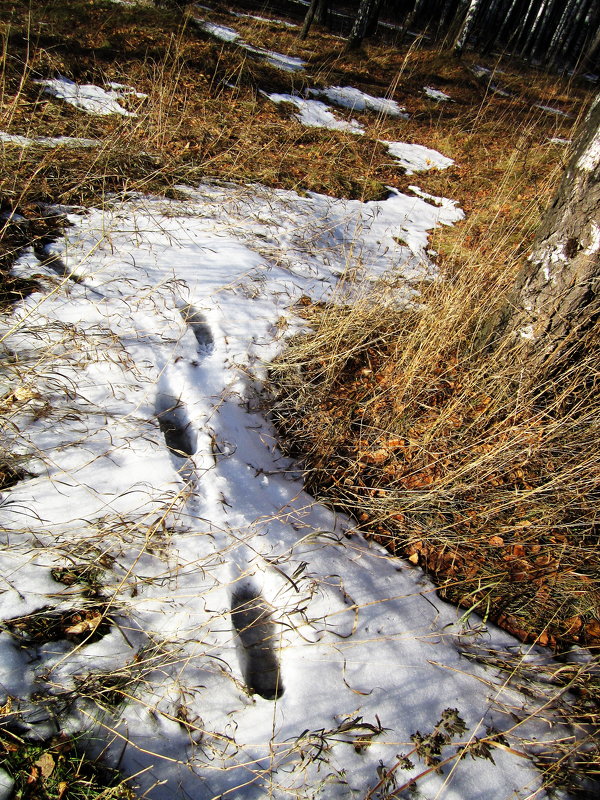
point(304, 205)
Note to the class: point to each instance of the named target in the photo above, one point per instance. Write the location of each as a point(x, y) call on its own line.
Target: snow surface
point(436, 94)
point(550, 110)
point(281, 22)
point(356, 100)
point(153, 453)
point(315, 114)
point(47, 141)
point(416, 157)
point(278, 60)
point(222, 32)
point(90, 98)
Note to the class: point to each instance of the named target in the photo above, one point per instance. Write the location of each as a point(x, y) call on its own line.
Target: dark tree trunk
point(366, 11)
point(553, 312)
point(322, 12)
point(310, 14)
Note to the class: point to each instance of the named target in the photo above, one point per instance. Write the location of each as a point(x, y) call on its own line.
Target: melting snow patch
point(293, 653)
point(47, 141)
point(90, 98)
point(263, 19)
point(278, 60)
point(436, 94)
point(315, 114)
point(219, 31)
point(559, 140)
point(416, 157)
point(356, 100)
point(550, 110)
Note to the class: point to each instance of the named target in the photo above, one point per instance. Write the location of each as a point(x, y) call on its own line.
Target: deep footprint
point(200, 328)
point(175, 426)
point(251, 617)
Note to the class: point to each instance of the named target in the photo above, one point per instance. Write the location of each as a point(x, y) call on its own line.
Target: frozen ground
point(263, 647)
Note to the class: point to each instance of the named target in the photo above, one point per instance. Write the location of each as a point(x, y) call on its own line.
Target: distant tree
point(318, 9)
point(466, 26)
point(364, 23)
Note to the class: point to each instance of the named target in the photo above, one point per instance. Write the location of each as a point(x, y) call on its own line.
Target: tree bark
point(553, 311)
point(308, 19)
point(465, 28)
point(366, 10)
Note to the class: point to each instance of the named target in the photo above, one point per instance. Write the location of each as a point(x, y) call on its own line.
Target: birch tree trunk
point(465, 28)
point(365, 11)
point(553, 312)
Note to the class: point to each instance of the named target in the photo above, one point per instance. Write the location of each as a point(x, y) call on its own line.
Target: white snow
point(46, 141)
point(416, 157)
point(278, 60)
point(176, 308)
point(222, 32)
point(559, 140)
point(315, 114)
point(550, 110)
point(281, 22)
point(356, 100)
point(89, 97)
point(436, 94)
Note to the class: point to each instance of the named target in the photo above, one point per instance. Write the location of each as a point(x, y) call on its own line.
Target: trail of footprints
point(251, 615)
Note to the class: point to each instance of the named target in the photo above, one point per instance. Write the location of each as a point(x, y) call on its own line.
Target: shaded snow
point(436, 94)
point(278, 60)
point(219, 31)
point(550, 110)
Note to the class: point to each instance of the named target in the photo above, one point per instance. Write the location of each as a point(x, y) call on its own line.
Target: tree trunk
point(465, 28)
point(365, 11)
point(553, 311)
point(322, 12)
point(308, 19)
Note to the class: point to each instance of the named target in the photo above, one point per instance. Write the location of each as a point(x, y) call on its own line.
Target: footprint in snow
point(256, 639)
point(200, 328)
point(175, 426)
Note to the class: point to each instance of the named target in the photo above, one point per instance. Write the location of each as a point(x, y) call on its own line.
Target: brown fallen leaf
point(89, 624)
point(46, 764)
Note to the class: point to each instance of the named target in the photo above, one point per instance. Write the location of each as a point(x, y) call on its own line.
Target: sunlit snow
point(416, 157)
point(356, 100)
point(153, 453)
point(47, 141)
point(315, 114)
point(90, 98)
